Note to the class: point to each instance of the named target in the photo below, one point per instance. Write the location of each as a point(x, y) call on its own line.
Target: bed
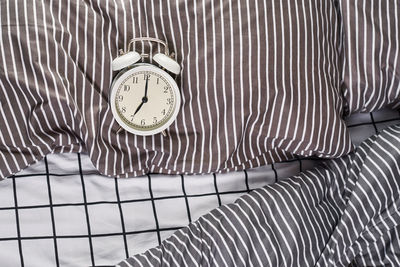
point(271, 96)
point(76, 217)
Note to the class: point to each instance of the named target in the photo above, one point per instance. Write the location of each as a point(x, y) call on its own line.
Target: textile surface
point(62, 212)
point(346, 211)
point(370, 54)
point(260, 82)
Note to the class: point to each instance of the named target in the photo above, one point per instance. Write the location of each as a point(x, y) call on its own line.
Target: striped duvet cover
point(260, 82)
point(345, 212)
point(370, 54)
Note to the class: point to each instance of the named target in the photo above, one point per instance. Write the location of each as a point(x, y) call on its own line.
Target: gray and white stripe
point(344, 212)
point(370, 54)
point(260, 82)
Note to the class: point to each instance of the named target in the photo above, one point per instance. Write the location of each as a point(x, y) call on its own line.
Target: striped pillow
point(260, 83)
point(371, 54)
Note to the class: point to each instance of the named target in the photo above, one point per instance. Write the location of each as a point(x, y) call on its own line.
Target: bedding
point(260, 83)
point(370, 57)
point(99, 221)
point(345, 212)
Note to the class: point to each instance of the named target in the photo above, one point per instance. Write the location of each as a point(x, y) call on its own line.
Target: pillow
point(371, 54)
point(259, 82)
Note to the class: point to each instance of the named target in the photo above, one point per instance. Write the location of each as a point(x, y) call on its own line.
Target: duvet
point(344, 212)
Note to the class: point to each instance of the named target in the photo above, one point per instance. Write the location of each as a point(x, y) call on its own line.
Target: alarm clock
point(144, 98)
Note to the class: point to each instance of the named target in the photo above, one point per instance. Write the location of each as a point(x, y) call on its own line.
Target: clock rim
point(121, 77)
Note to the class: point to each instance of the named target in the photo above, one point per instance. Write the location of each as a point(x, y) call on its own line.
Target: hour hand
point(139, 107)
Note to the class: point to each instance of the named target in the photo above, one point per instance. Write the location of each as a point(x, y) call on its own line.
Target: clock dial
point(145, 100)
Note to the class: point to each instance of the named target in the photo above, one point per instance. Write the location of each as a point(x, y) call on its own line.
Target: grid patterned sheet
point(61, 212)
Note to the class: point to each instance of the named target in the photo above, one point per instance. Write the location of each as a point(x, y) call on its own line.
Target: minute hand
point(144, 99)
point(145, 87)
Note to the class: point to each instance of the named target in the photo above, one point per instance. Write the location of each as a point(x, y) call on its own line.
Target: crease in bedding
point(346, 211)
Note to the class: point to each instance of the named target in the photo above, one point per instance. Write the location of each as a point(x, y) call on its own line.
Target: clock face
point(145, 100)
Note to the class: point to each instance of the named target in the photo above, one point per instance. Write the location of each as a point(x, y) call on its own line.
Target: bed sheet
point(344, 212)
point(61, 212)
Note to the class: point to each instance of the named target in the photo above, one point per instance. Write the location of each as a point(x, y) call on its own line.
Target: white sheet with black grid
point(61, 212)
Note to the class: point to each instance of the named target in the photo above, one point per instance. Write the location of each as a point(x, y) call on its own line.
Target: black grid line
point(154, 210)
point(86, 210)
point(300, 163)
point(186, 199)
point(373, 122)
point(246, 181)
point(122, 218)
point(275, 172)
point(53, 223)
point(165, 229)
point(127, 201)
point(55, 174)
point(216, 189)
point(18, 238)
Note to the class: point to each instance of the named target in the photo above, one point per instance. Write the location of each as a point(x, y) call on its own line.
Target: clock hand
point(139, 107)
point(144, 99)
point(145, 88)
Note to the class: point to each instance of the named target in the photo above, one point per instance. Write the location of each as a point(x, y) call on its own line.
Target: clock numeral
point(135, 80)
point(146, 76)
point(132, 117)
point(158, 80)
point(166, 89)
point(143, 122)
point(120, 98)
point(123, 109)
point(154, 119)
point(127, 88)
point(169, 101)
point(163, 111)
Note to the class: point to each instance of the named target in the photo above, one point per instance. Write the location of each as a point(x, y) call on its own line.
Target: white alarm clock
point(144, 98)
